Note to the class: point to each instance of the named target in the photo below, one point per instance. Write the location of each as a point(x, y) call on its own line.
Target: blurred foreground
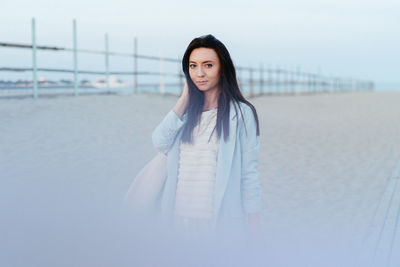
point(326, 162)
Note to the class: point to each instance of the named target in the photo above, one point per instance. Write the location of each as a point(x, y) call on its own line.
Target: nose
point(200, 72)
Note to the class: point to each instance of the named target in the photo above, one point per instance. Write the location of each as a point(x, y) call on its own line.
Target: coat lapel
point(224, 162)
point(168, 201)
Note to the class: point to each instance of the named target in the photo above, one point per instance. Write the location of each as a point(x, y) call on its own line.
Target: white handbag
point(144, 193)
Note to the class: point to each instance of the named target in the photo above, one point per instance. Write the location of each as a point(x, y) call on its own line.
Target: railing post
point(135, 67)
point(162, 84)
point(314, 80)
point(261, 79)
point(314, 83)
point(34, 65)
point(75, 58)
point(251, 82)
point(269, 79)
point(334, 84)
point(240, 78)
point(180, 78)
point(286, 80)
point(297, 80)
point(278, 80)
point(107, 63)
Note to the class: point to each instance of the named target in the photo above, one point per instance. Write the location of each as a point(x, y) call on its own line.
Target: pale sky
point(351, 38)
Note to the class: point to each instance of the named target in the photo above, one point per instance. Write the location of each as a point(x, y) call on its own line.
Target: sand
point(327, 167)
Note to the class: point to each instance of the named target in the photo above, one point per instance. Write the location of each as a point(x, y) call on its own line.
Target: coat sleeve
point(249, 141)
point(164, 134)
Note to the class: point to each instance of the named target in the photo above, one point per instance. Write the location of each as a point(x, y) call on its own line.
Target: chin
point(201, 88)
point(204, 89)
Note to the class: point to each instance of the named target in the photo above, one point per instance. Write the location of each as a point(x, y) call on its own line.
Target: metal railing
point(270, 80)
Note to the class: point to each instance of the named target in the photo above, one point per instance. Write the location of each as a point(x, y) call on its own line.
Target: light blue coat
point(237, 188)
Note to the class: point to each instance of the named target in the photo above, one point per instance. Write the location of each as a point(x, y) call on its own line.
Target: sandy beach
point(327, 162)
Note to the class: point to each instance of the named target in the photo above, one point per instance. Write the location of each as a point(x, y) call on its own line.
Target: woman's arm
point(164, 134)
point(182, 103)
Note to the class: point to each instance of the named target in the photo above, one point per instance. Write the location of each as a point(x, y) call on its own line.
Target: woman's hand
point(183, 101)
point(185, 92)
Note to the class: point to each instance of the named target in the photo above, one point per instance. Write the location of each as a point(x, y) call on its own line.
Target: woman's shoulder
point(245, 112)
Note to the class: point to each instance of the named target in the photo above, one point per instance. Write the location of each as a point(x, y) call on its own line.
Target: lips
point(202, 82)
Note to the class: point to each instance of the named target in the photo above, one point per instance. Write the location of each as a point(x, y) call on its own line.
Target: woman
point(211, 137)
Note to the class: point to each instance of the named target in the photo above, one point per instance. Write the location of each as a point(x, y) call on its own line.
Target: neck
point(211, 99)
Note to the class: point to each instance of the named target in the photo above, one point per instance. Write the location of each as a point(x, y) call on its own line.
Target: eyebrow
point(202, 62)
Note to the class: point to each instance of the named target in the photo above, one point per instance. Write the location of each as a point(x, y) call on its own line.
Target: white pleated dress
point(194, 199)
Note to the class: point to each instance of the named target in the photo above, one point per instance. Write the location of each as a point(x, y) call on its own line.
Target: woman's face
point(204, 69)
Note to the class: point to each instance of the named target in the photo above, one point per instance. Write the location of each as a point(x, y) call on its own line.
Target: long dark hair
point(227, 82)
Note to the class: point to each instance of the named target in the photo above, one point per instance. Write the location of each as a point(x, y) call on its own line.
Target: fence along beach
point(253, 80)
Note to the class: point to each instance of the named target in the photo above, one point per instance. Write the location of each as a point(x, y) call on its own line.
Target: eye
point(208, 65)
point(192, 66)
